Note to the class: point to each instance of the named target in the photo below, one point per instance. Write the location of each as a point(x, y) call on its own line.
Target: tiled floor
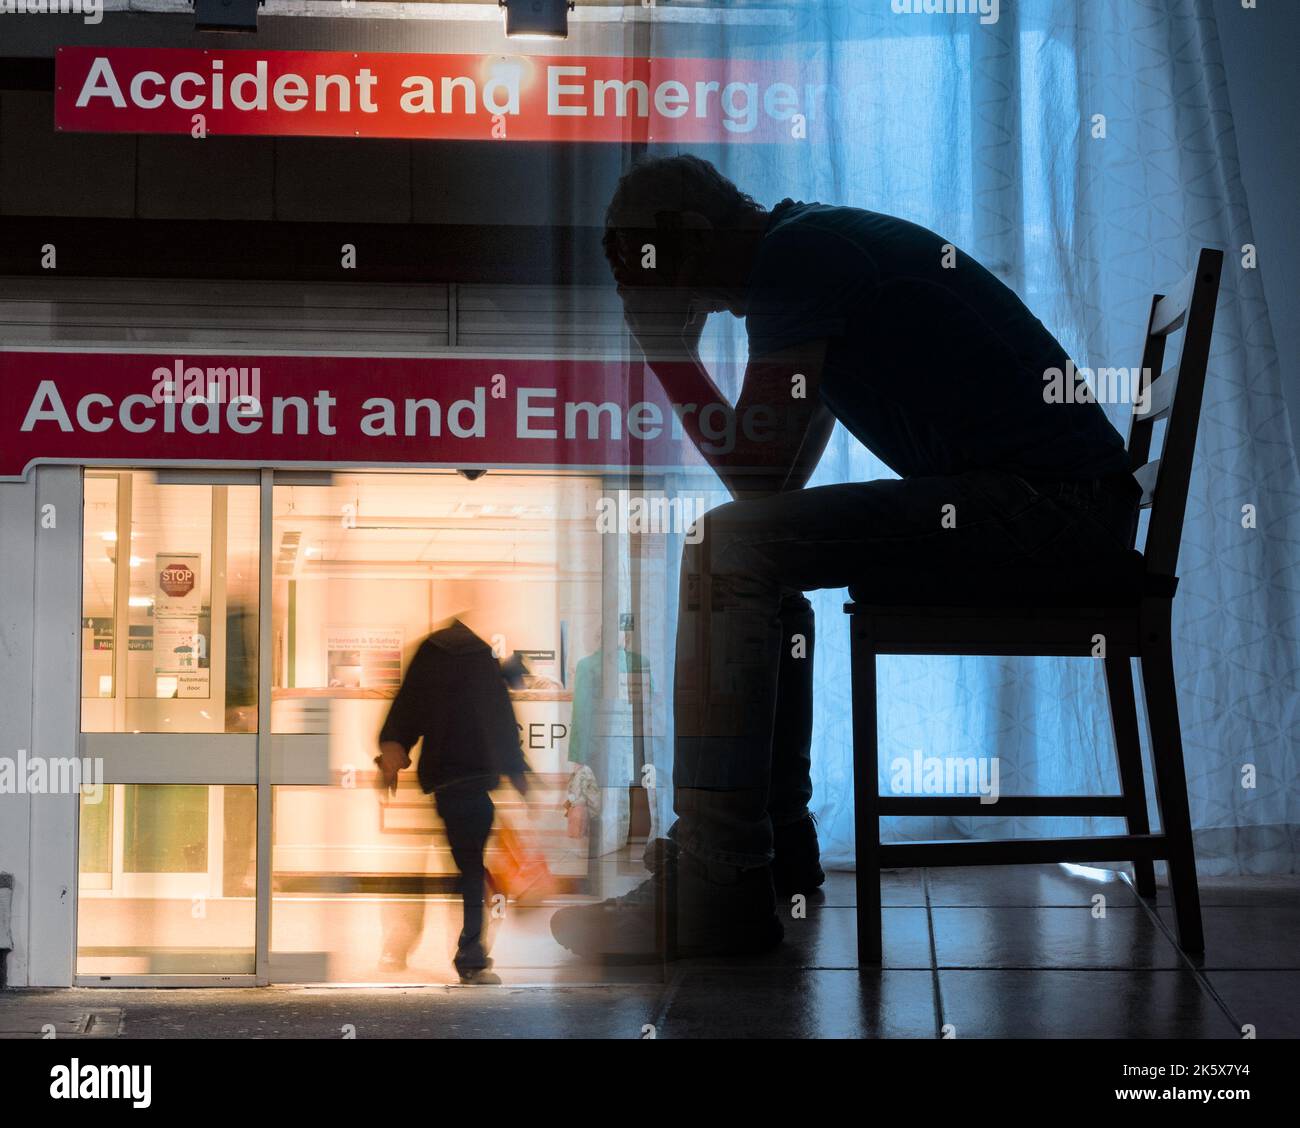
point(1016, 951)
point(1028, 951)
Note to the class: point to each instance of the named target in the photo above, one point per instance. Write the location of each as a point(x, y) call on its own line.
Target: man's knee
point(724, 538)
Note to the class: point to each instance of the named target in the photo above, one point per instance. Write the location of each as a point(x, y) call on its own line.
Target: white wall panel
point(55, 660)
point(17, 577)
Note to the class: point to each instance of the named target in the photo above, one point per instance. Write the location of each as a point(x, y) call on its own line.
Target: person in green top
point(588, 689)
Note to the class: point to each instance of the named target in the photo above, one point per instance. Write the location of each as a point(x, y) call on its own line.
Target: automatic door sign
point(177, 590)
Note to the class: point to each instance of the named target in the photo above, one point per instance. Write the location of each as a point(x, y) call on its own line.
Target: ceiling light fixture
point(537, 19)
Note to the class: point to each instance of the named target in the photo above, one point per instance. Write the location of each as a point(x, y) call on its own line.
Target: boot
point(796, 865)
point(721, 910)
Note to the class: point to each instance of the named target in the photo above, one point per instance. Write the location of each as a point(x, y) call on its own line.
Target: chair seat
point(1118, 581)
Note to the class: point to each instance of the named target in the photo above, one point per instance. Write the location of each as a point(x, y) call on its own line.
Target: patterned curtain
point(988, 132)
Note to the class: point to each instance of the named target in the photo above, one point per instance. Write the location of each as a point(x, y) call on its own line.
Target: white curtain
point(987, 133)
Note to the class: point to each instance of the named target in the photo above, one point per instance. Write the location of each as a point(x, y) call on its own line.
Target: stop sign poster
point(176, 584)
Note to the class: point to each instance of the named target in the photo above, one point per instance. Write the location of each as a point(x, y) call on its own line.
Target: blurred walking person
point(454, 698)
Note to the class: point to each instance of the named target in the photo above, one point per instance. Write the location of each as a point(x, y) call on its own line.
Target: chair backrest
point(1174, 395)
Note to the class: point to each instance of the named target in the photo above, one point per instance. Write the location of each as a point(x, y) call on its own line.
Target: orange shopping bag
point(518, 871)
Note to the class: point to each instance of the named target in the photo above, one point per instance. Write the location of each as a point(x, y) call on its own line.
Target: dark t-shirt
point(936, 371)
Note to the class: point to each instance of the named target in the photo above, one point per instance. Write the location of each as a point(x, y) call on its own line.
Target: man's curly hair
point(665, 187)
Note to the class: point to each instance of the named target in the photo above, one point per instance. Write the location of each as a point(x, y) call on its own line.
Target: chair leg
point(866, 816)
point(1171, 777)
point(1128, 753)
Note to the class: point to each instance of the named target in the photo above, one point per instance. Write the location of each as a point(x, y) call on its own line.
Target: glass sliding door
point(168, 843)
point(364, 885)
point(243, 637)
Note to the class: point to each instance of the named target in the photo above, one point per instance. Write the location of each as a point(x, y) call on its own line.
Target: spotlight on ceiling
point(537, 19)
point(226, 15)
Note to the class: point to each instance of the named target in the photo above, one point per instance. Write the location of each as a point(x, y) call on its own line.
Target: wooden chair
point(1055, 615)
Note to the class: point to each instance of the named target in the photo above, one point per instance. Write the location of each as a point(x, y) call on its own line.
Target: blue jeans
point(743, 703)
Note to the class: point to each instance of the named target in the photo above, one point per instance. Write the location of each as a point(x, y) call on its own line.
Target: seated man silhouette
point(934, 365)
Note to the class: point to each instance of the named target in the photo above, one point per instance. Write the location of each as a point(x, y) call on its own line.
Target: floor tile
point(1011, 937)
point(828, 938)
point(1242, 891)
point(1046, 885)
point(1246, 937)
point(23, 1017)
point(1080, 1004)
point(800, 1003)
point(897, 887)
point(1267, 1000)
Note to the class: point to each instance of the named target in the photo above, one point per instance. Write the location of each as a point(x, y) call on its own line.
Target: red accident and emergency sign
point(271, 410)
point(441, 97)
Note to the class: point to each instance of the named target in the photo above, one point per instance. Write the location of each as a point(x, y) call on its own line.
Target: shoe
point(721, 911)
point(796, 865)
point(480, 977)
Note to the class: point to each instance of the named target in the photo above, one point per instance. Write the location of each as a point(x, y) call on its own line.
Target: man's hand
point(662, 319)
point(392, 759)
point(694, 330)
point(784, 389)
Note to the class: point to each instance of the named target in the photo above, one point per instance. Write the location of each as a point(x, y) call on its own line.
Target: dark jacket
point(454, 697)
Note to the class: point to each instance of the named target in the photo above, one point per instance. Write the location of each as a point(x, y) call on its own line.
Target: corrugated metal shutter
point(309, 316)
point(319, 317)
point(546, 319)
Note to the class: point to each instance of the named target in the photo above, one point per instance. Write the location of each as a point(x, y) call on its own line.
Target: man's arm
point(402, 728)
point(779, 422)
